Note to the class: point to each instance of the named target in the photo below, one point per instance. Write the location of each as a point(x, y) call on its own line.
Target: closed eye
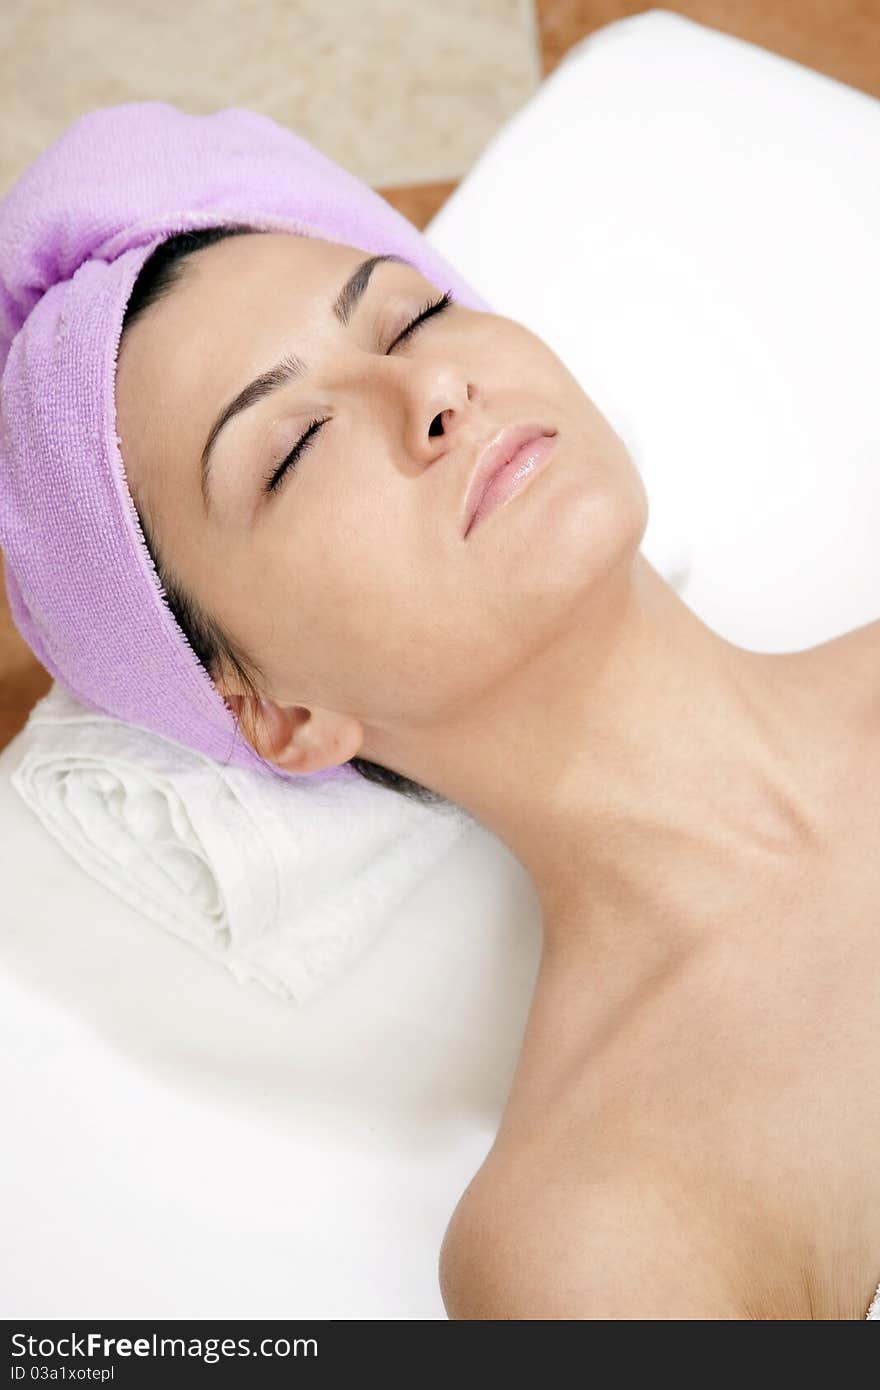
point(273, 482)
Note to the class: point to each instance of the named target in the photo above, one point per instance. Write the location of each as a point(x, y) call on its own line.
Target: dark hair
point(216, 651)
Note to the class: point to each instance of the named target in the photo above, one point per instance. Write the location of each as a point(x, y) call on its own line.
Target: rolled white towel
point(282, 883)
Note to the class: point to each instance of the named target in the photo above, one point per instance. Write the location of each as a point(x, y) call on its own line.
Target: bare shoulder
point(863, 642)
point(853, 657)
point(517, 1247)
point(841, 680)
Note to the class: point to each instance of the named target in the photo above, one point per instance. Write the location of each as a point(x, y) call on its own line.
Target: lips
point(498, 452)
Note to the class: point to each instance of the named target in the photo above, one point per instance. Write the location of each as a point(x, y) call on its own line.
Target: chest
point(758, 1108)
point(747, 1093)
point(751, 1099)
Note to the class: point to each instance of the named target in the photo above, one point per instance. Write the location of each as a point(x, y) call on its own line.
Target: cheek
point(390, 636)
point(350, 617)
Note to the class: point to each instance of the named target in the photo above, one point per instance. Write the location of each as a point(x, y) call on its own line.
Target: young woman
point(693, 1125)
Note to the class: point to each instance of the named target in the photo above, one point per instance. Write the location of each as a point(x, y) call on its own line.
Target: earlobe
point(296, 738)
point(304, 741)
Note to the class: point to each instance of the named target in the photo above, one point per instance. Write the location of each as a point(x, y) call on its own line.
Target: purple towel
point(75, 229)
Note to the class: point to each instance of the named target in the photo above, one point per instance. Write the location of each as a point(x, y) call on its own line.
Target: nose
point(431, 396)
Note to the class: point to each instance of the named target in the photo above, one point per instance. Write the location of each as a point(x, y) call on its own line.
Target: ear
point(299, 739)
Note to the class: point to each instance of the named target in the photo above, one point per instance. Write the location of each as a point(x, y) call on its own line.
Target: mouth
point(498, 453)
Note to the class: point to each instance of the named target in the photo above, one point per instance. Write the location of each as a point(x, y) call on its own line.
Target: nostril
point(432, 431)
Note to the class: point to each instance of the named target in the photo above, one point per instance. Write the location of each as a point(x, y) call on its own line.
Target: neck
point(635, 764)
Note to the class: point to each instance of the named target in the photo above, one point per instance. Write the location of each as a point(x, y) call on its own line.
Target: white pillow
point(693, 224)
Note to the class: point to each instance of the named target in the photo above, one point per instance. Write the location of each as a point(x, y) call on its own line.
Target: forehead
point(231, 267)
point(248, 276)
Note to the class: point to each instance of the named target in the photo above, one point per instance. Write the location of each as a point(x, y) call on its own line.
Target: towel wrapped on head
point(75, 230)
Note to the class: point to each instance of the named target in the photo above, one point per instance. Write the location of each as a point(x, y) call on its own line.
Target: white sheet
point(178, 1145)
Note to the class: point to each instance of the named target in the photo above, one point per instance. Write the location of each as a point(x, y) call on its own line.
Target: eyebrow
point(290, 367)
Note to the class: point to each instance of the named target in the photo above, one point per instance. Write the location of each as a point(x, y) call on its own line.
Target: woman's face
point(351, 584)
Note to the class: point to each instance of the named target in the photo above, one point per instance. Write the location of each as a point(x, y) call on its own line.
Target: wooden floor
point(838, 37)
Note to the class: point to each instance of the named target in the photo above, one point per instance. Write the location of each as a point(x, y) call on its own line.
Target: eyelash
point(273, 482)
